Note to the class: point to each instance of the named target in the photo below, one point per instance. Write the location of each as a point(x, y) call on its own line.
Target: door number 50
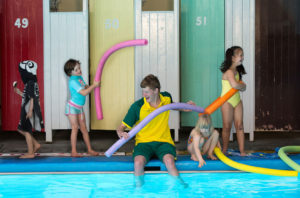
point(21, 23)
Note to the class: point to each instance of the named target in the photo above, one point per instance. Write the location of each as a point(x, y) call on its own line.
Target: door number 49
point(21, 23)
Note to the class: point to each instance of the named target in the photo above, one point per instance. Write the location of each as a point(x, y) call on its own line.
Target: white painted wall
point(240, 30)
point(65, 37)
point(161, 56)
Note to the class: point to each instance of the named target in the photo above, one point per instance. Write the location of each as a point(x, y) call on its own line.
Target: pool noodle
point(145, 121)
point(253, 169)
point(218, 102)
point(282, 154)
point(101, 65)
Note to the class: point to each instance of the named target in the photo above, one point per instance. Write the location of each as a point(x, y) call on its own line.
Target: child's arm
point(89, 89)
point(187, 110)
point(191, 103)
point(121, 131)
point(196, 140)
point(235, 84)
point(18, 91)
point(30, 110)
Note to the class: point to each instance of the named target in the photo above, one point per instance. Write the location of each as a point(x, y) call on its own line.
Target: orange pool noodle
point(218, 102)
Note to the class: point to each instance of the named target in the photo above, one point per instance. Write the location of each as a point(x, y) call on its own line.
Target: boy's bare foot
point(36, 147)
point(93, 153)
point(75, 154)
point(212, 157)
point(243, 154)
point(27, 156)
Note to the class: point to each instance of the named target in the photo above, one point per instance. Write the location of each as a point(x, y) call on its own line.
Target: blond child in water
point(203, 138)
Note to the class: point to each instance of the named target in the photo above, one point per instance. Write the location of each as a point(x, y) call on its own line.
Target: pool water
point(156, 185)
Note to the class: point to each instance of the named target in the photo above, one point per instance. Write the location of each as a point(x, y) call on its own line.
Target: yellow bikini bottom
point(235, 99)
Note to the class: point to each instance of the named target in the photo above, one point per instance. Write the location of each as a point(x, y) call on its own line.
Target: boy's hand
point(190, 103)
point(122, 134)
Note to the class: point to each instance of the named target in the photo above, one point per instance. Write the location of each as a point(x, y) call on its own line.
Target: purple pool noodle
point(144, 122)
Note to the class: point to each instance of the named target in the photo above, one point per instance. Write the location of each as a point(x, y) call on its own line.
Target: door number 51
point(21, 23)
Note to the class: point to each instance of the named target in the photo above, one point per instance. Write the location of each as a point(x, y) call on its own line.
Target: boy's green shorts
point(150, 149)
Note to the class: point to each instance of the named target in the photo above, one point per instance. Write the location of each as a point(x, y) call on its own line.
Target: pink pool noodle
point(144, 122)
point(101, 65)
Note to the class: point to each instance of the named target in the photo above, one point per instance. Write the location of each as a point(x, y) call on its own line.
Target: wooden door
point(21, 38)
point(277, 52)
point(161, 56)
point(202, 52)
point(112, 22)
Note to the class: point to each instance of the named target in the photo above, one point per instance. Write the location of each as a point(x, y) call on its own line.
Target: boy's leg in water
point(139, 164)
point(179, 180)
point(169, 161)
point(139, 181)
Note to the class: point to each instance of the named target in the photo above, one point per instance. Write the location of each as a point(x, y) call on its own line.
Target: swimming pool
point(229, 184)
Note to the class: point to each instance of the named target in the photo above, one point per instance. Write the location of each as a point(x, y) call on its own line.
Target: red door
point(21, 38)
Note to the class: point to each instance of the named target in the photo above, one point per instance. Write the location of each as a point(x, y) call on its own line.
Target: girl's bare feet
point(75, 154)
point(224, 152)
point(36, 147)
point(93, 153)
point(243, 154)
point(193, 157)
point(27, 156)
point(211, 156)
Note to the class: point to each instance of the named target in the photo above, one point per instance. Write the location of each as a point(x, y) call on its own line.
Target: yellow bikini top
point(226, 85)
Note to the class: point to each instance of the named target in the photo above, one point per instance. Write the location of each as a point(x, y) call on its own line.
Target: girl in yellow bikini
point(203, 138)
point(232, 110)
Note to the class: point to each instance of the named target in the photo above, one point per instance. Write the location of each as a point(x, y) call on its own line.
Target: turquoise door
point(202, 52)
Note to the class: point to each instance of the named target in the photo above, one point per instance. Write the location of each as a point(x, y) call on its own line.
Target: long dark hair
point(228, 61)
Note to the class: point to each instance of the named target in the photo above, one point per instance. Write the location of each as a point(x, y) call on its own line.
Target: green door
point(202, 52)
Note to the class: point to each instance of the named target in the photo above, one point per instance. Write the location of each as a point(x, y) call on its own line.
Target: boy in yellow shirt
point(155, 138)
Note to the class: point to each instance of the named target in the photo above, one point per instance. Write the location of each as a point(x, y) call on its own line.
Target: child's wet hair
point(70, 65)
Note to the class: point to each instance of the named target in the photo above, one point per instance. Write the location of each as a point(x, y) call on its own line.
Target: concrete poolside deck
point(13, 142)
